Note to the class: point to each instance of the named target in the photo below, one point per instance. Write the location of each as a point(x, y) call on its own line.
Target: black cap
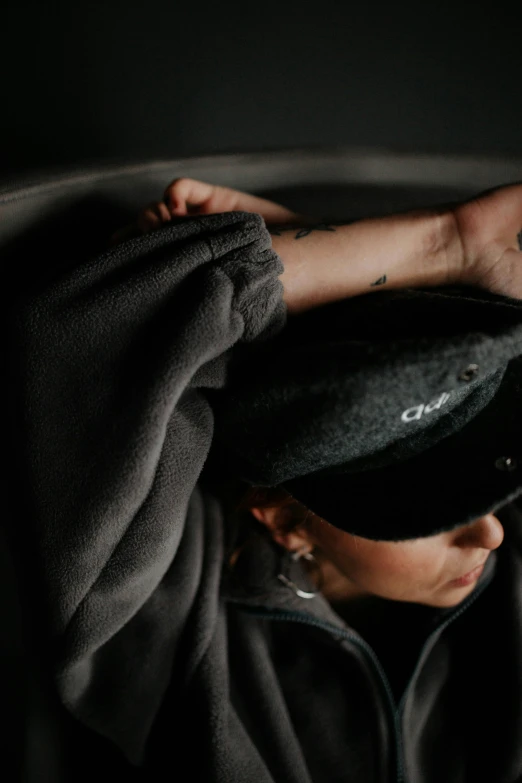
point(393, 415)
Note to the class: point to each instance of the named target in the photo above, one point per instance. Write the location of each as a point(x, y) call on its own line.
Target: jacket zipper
point(340, 633)
point(441, 627)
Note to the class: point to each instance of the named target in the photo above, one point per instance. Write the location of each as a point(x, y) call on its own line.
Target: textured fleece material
point(151, 651)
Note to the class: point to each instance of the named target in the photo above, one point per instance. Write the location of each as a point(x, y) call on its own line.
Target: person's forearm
point(326, 262)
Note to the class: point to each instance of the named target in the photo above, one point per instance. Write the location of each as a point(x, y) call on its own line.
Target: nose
point(486, 532)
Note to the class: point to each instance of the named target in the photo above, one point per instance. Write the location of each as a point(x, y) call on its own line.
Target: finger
point(146, 213)
point(148, 220)
point(153, 217)
point(184, 191)
point(164, 212)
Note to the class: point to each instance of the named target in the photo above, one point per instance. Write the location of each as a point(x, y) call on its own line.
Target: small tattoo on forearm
point(302, 231)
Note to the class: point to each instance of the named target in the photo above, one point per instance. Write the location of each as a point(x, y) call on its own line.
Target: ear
point(294, 540)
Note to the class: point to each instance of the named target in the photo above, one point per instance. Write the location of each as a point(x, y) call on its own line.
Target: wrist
point(444, 248)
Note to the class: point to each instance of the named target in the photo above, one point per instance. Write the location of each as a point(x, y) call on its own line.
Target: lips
point(473, 569)
point(469, 578)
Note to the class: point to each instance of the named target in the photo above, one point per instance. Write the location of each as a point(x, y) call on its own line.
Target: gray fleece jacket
point(167, 668)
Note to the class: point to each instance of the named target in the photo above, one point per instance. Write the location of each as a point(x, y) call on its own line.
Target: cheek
point(403, 566)
point(383, 564)
point(385, 567)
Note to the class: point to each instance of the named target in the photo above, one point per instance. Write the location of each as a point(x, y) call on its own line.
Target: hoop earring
point(288, 560)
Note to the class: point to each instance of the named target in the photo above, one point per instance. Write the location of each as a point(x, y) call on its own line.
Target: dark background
point(128, 81)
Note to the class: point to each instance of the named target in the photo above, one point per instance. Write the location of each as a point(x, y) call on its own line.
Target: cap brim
point(464, 476)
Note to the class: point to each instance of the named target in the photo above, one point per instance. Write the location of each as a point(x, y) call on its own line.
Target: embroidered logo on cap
point(415, 413)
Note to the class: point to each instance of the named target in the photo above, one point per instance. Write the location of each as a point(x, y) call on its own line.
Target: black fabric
point(396, 631)
point(109, 360)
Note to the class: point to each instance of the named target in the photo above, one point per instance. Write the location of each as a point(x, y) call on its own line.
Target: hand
point(185, 196)
point(489, 228)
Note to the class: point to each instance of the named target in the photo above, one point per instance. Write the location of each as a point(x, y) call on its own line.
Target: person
point(418, 570)
point(236, 635)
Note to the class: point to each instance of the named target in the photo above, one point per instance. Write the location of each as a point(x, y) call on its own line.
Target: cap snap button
point(506, 463)
point(469, 372)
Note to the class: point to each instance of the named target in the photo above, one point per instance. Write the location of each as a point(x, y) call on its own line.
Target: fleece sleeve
point(113, 359)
